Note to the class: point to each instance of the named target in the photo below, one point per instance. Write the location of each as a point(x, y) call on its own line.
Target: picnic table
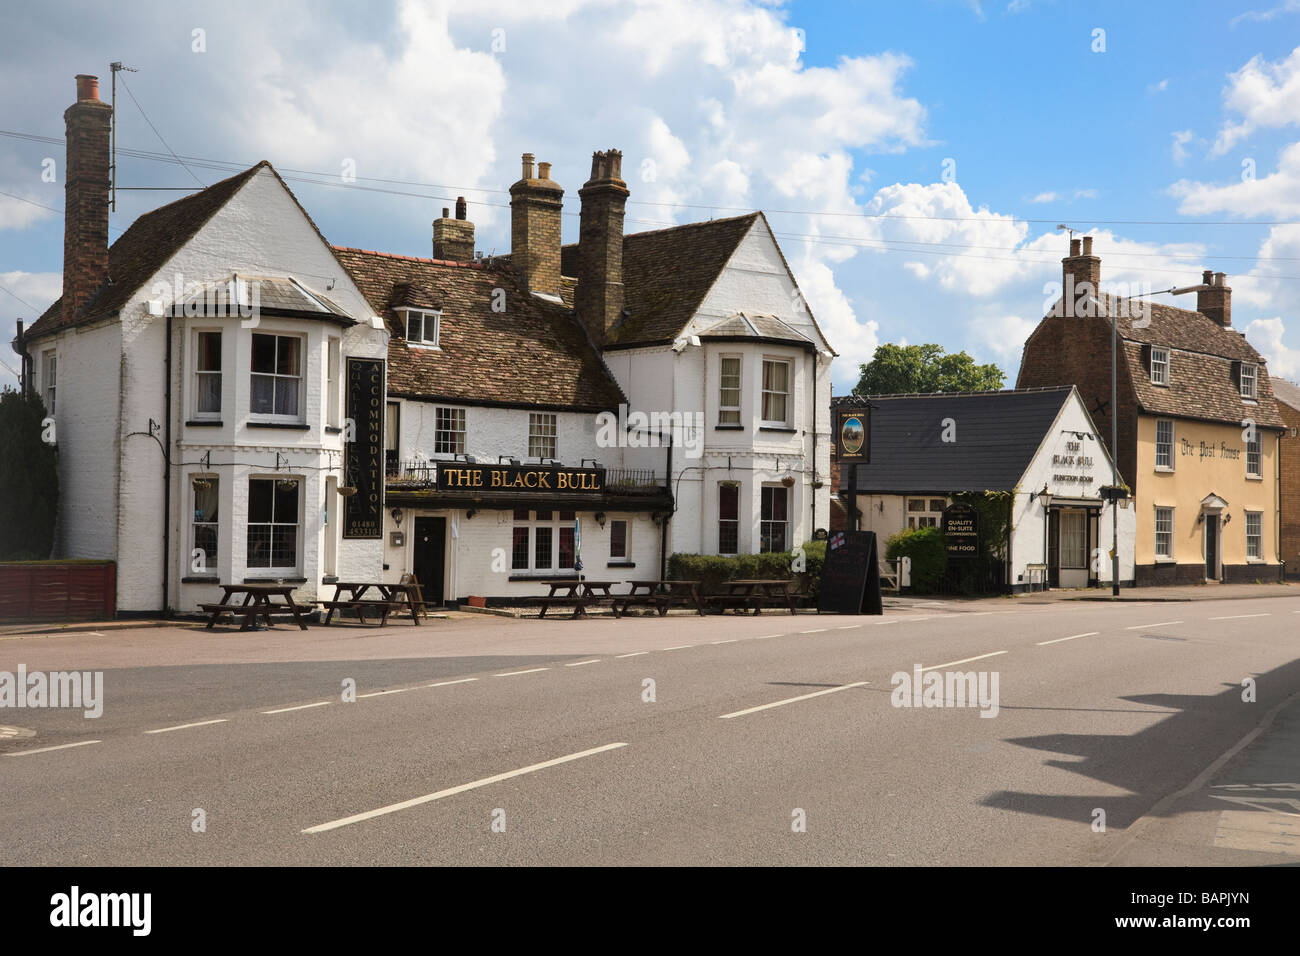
point(392, 597)
point(746, 593)
point(575, 593)
point(660, 595)
point(257, 603)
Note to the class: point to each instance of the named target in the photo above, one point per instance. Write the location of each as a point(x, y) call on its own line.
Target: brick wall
point(1289, 450)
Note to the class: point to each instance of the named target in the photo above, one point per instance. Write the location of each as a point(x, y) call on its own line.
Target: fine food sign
point(455, 476)
point(363, 457)
point(961, 531)
point(853, 434)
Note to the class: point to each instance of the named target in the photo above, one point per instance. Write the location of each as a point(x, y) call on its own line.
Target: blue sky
point(914, 159)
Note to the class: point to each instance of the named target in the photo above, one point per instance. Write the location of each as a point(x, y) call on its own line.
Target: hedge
point(925, 546)
point(713, 570)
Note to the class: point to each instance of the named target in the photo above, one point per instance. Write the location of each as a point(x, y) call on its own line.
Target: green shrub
point(713, 571)
point(29, 479)
point(925, 547)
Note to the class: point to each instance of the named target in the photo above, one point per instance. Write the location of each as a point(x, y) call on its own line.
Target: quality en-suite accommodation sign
point(363, 457)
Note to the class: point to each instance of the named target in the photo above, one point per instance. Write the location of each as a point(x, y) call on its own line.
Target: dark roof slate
point(534, 353)
point(997, 434)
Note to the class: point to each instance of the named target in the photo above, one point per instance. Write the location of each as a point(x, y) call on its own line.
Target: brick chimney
point(1216, 301)
point(1080, 267)
point(599, 299)
point(453, 239)
point(535, 204)
point(85, 204)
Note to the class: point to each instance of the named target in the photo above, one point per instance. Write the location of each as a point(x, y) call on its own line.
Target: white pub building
point(238, 401)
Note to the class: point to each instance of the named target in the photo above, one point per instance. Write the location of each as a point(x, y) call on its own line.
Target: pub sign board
point(525, 479)
point(853, 434)
point(850, 582)
point(961, 530)
point(363, 457)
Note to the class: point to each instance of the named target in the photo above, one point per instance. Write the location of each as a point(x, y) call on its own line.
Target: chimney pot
point(461, 209)
point(1215, 300)
point(1207, 277)
point(1074, 248)
point(535, 208)
point(446, 213)
point(600, 296)
point(1087, 245)
point(1219, 278)
point(528, 166)
point(543, 170)
point(87, 87)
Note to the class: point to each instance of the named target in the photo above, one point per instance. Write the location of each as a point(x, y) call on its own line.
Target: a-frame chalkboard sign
point(851, 575)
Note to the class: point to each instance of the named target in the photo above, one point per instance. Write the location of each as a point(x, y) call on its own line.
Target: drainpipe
point(663, 528)
point(167, 481)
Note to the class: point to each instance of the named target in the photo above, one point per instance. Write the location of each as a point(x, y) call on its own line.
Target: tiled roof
point(666, 275)
point(1201, 358)
point(533, 353)
point(275, 296)
point(998, 434)
point(1285, 391)
point(144, 248)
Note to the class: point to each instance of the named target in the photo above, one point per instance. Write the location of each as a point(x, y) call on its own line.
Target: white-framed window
point(333, 386)
point(205, 536)
point(774, 521)
point(541, 435)
point(207, 375)
point(925, 512)
point(618, 539)
point(422, 327)
point(273, 523)
point(1164, 532)
point(1165, 444)
point(1159, 366)
point(449, 431)
point(543, 540)
point(776, 392)
point(1073, 539)
point(275, 387)
point(1255, 535)
point(728, 519)
point(1253, 451)
point(50, 379)
point(729, 390)
point(1249, 380)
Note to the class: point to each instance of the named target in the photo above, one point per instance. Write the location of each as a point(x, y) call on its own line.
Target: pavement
point(725, 740)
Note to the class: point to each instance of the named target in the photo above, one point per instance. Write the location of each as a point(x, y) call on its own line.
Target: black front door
point(1053, 558)
point(429, 558)
point(1211, 547)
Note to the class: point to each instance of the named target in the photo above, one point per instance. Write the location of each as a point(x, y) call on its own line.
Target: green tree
point(29, 479)
point(900, 369)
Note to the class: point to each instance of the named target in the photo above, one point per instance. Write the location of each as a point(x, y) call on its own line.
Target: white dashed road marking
point(1233, 617)
point(964, 660)
point(285, 710)
point(594, 660)
point(1138, 627)
point(45, 750)
point(792, 700)
point(1070, 638)
point(534, 670)
point(201, 723)
point(448, 683)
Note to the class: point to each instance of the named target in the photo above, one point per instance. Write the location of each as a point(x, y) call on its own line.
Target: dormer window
point(422, 328)
point(1249, 380)
point(1159, 366)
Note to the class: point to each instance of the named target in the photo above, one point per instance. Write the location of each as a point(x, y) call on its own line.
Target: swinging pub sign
point(363, 457)
point(853, 434)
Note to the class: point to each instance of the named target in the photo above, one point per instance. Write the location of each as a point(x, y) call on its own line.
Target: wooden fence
point(57, 591)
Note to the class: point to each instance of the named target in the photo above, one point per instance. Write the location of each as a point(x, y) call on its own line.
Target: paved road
point(546, 730)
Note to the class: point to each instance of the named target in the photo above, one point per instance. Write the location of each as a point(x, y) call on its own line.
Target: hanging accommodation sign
point(455, 476)
point(961, 531)
point(853, 434)
point(363, 457)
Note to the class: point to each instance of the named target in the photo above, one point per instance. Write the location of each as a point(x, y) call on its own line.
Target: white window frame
point(210, 560)
point(925, 516)
point(301, 377)
point(1255, 541)
point(764, 391)
point(785, 524)
point(333, 381)
point(296, 524)
point(1249, 372)
point(555, 525)
point(1255, 457)
point(199, 374)
point(538, 423)
point(627, 540)
point(1168, 554)
point(729, 414)
point(50, 379)
point(1077, 542)
point(728, 521)
point(423, 341)
point(455, 416)
point(1169, 465)
point(1160, 365)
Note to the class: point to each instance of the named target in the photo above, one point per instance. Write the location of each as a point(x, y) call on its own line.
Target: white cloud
point(855, 340)
point(1265, 94)
point(1003, 335)
point(1046, 197)
point(36, 290)
point(1277, 194)
point(21, 213)
point(1178, 149)
point(1158, 87)
point(1263, 16)
point(1266, 335)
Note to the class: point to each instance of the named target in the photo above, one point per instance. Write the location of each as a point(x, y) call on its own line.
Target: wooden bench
point(249, 612)
point(384, 608)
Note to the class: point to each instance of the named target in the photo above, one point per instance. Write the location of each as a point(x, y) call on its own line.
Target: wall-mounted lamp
point(600, 518)
point(1200, 518)
point(1227, 518)
point(1045, 496)
point(398, 515)
point(594, 463)
point(881, 506)
point(469, 515)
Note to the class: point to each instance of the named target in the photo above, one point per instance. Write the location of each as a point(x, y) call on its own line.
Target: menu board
point(850, 581)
